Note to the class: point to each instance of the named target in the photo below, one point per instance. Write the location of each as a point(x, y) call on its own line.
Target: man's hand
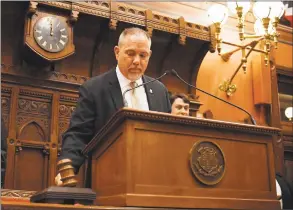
point(58, 181)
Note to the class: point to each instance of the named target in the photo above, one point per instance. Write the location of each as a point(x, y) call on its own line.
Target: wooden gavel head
point(66, 171)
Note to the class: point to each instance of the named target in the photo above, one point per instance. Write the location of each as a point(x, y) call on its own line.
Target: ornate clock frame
point(33, 15)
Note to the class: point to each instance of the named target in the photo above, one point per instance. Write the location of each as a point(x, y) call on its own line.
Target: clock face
point(51, 33)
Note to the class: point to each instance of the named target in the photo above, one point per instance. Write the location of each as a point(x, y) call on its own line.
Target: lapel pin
point(151, 91)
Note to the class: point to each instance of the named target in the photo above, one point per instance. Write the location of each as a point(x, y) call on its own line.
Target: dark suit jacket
point(100, 97)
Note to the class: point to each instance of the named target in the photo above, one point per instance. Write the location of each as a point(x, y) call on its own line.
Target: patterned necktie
point(134, 96)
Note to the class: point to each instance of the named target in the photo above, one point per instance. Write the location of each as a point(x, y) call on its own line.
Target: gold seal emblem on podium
point(207, 162)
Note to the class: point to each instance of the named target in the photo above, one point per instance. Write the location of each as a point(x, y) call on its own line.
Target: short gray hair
point(131, 31)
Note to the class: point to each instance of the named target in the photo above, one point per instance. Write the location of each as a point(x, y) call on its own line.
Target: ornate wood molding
point(62, 82)
point(127, 113)
point(74, 79)
point(120, 11)
point(24, 194)
point(64, 98)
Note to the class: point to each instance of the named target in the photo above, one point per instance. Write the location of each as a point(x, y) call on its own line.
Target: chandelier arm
point(248, 36)
point(226, 56)
point(250, 50)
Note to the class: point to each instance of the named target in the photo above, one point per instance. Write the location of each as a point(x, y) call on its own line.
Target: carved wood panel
point(33, 115)
point(66, 108)
point(5, 104)
point(31, 167)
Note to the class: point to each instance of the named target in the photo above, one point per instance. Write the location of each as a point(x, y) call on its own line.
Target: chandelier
point(267, 16)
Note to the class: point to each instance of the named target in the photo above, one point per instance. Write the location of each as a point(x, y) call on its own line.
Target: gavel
point(66, 171)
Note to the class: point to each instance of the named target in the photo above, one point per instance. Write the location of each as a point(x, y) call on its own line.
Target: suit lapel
point(151, 97)
point(115, 90)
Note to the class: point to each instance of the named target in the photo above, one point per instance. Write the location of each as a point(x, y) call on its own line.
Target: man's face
point(133, 56)
point(180, 108)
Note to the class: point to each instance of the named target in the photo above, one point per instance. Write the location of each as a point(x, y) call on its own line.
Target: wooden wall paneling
point(33, 117)
point(6, 93)
point(53, 139)
point(33, 114)
point(98, 44)
point(31, 165)
point(11, 146)
point(66, 106)
point(275, 118)
point(195, 65)
point(5, 104)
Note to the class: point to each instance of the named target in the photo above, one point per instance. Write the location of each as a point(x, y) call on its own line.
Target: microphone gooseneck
point(173, 72)
point(145, 83)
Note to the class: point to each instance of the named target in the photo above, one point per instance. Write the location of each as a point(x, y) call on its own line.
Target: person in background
point(102, 96)
point(180, 104)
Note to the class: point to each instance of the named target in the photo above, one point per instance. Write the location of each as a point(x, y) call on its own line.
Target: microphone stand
point(251, 117)
point(126, 91)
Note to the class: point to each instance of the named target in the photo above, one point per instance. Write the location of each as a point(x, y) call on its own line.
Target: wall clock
point(49, 34)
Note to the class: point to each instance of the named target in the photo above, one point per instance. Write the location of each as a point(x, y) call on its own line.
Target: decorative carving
point(148, 22)
point(48, 76)
point(182, 31)
point(5, 118)
point(207, 162)
point(23, 121)
point(113, 16)
point(6, 90)
point(59, 149)
point(33, 107)
point(73, 17)
point(119, 11)
point(5, 102)
point(113, 24)
point(68, 99)
point(18, 147)
point(38, 133)
point(63, 125)
point(35, 94)
point(66, 110)
point(32, 8)
point(16, 193)
point(46, 149)
point(72, 78)
point(227, 87)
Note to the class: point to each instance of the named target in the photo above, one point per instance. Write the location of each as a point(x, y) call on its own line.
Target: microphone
point(145, 83)
point(173, 72)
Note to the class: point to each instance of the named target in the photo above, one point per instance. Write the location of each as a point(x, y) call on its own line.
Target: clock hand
point(51, 28)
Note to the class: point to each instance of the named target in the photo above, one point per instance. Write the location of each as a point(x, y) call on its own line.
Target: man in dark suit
point(101, 96)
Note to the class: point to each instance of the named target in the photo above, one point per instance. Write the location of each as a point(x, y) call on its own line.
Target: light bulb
point(232, 5)
point(262, 9)
point(289, 113)
point(218, 13)
point(259, 29)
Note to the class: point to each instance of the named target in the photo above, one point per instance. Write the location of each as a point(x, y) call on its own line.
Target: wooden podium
point(151, 159)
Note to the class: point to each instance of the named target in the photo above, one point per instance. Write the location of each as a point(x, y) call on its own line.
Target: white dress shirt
point(140, 91)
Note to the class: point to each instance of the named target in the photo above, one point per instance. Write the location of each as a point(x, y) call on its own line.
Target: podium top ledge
point(159, 117)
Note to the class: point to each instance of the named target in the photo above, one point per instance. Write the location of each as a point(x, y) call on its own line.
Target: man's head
point(133, 52)
point(180, 104)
